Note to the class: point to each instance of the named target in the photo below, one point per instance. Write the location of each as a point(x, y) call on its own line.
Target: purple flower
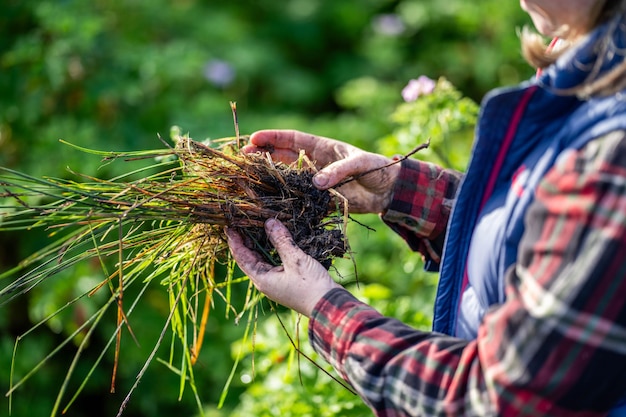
point(388, 24)
point(419, 87)
point(219, 73)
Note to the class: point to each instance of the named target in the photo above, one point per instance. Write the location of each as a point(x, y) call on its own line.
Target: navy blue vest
point(521, 134)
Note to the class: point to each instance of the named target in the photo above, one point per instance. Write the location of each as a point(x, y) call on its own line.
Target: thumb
point(282, 240)
point(338, 171)
point(334, 173)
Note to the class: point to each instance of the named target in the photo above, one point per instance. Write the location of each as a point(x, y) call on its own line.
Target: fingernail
point(270, 224)
point(320, 180)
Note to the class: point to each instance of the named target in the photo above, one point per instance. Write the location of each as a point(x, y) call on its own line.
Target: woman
point(530, 315)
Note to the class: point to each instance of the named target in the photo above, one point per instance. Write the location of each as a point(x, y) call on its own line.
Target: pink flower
point(415, 88)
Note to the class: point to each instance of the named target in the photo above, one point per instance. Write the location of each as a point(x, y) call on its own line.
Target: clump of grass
point(167, 227)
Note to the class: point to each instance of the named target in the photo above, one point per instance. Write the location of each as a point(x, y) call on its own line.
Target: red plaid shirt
point(556, 347)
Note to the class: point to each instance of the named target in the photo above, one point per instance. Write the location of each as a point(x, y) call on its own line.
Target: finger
point(251, 149)
point(286, 139)
point(273, 138)
point(249, 261)
point(338, 171)
point(290, 254)
point(283, 155)
point(283, 145)
point(263, 138)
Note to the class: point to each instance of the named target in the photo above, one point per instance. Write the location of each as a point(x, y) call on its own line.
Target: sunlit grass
point(163, 224)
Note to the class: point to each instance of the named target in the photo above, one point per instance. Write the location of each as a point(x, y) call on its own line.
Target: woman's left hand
point(299, 283)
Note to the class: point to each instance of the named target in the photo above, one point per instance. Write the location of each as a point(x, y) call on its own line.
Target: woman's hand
point(299, 283)
point(337, 161)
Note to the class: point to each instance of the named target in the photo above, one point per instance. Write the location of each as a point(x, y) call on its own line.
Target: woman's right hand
point(336, 162)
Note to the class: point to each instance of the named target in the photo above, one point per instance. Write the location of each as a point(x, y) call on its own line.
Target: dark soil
point(310, 215)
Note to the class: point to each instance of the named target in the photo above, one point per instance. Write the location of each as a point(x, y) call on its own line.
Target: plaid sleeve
point(556, 347)
point(419, 211)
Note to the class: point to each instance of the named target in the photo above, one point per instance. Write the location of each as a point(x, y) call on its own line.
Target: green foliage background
point(113, 74)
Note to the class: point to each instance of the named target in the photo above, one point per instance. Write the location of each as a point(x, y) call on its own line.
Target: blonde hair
point(537, 53)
